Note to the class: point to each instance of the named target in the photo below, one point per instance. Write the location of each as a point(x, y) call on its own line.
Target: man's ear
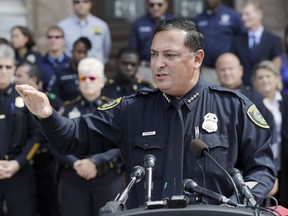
point(198, 56)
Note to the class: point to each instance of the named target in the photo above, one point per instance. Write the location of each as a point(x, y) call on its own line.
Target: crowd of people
point(176, 80)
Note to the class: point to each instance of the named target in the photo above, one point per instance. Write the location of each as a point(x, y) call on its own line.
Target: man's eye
point(170, 55)
point(152, 54)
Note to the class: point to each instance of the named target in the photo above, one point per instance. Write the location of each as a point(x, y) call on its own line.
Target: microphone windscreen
point(149, 160)
point(197, 146)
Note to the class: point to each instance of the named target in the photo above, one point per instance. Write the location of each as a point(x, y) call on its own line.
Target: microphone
point(149, 163)
point(136, 175)
point(190, 186)
point(118, 204)
point(242, 187)
point(200, 149)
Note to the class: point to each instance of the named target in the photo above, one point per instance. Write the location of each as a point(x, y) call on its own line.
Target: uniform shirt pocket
point(154, 145)
point(218, 148)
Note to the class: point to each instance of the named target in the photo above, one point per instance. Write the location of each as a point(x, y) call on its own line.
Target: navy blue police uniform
point(65, 84)
point(115, 88)
point(45, 169)
point(230, 124)
point(31, 56)
point(19, 134)
point(89, 196)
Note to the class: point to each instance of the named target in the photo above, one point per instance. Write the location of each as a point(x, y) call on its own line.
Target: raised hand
point(37, 102)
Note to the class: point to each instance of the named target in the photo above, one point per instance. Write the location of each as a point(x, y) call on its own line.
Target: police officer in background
point(65, 83)
point(19, 134)
point(142, 31)
point(125, 82)
point(88, 182)
point(44, 163)
point(164, 121)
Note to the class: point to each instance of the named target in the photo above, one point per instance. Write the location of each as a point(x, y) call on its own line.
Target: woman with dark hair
point(65, 84)
point(23, 42)
point(284, 62)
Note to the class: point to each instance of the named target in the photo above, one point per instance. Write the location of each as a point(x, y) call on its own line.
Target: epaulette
point(229, 91)
point(106, 99)
point(143, 83)
point(69, 102)
point(143, 91)
point(110, 82)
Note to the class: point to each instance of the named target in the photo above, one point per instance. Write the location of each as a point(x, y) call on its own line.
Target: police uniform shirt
point(31, 56)
point(76, 108)
point(219, 29)
point(140, 125)
point(141, 34)
point(50, 66)
point(65, 84)
point(19, 131)
point(115, 88)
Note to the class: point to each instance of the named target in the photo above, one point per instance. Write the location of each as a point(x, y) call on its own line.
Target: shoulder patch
point(256, 117)
point(110, 104)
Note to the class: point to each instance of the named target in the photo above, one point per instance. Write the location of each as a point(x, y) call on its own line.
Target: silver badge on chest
point(210, 123)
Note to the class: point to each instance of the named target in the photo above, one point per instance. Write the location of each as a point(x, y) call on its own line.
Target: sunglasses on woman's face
point(91, 78)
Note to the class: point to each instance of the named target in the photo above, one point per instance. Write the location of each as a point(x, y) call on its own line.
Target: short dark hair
point(194, 39)
point(127, 50)
point(33, 70)
point(85, 41)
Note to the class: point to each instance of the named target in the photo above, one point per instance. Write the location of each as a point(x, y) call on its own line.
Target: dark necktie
point(254, 46)
point(173, 174)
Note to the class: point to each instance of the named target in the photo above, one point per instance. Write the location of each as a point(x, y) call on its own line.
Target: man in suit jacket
point(256, 44)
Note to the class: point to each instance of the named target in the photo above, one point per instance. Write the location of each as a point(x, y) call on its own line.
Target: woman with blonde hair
point(267, 80)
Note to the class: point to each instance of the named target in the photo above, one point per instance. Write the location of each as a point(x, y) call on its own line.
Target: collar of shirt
point(257, 34)
point(191, 96)
point(52, 60)
point(96, 103)
point(7, 90)
point(81, 22)
point(273, 104)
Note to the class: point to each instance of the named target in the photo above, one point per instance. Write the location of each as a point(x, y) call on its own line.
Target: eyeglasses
point(6, 66)
point(78, 2)
point(54, 36)
point(152, 5)
point(83, 78)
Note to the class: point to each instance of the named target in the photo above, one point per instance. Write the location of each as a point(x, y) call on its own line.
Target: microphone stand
point(226, 173)
point(119, 203)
